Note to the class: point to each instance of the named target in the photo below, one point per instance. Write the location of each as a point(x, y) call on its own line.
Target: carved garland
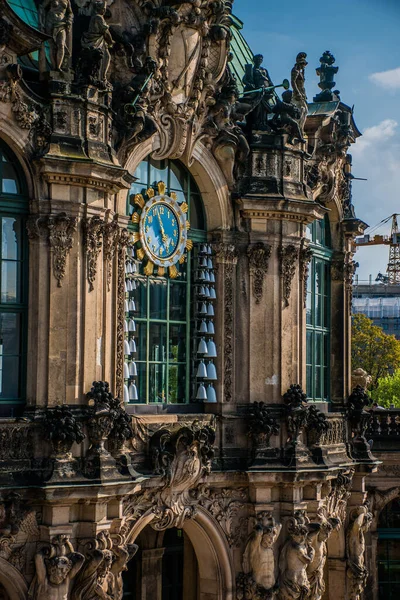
point(288, 256)
point(122, 243)
point(305, 260)
point(228, 255)
point(93, 227)
point(110, 236)
point(259, 255)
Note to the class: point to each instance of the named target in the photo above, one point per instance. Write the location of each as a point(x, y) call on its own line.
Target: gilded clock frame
point(154, 265)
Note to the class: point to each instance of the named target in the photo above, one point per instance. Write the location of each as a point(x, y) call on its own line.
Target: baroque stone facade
point(240, 487)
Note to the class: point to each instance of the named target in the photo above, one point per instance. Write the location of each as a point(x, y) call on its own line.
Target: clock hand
point(163, 236)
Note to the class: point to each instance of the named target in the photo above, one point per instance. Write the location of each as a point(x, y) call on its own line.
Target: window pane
point(142, 173)
point(178, 178)
point(9, 377)
point(10, 238)
point(319, 267)
point(10, 180)
point(157, 383)
point(177, 343)
point(9, 282)
point(309, 390)
point(158, 172)
point(177, 384)
point(158, 299)
point(158, 342)
point(9, 333)
point(309, 348)
point(140, 297)
point(318, 311)
point(141, 382)
point(177, 307)
point(140, 337)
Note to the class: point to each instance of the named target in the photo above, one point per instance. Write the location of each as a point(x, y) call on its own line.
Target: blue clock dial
point(161, 231)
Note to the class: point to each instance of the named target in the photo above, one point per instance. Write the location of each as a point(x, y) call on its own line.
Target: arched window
point(160, 310)
point(318, 318)
point(389, 551)
point(13, 282)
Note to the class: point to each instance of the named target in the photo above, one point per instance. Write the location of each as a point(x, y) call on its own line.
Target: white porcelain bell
point(126, 347)
point(126, 394)
point(203, 327)
point(202, 347)
point(126, 371)
point(132, 305)
point(132, 326)
point(211, 395)
point(210, 310)
point(206, 291)
point(132, 346)
point(212, 277)
point(201, 393)
point(133, 395)
point(201, 370)
point(133, 370)
point(203, 249)
point(211, 349)
point(203, 308)
point(126, 326)
point(126, 306)
point(210, 328)
point(206, 276)
point(213, 295)
point(209, 263)
point(211, 371)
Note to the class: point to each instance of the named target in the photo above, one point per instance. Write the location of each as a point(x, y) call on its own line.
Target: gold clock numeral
point(148, 239)
point(169, 214)
point(147, 229)
point(161, 209)
point(175, 233)
point(150, 219)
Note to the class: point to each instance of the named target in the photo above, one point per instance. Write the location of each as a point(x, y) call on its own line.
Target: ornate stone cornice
point(258, 255)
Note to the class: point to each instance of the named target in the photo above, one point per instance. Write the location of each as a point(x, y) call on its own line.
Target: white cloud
point(387, 79)
point(374, 135)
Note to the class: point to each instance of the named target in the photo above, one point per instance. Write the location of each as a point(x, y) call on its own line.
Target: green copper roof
point(322, 108)
point(242, 54)
point(26, 10)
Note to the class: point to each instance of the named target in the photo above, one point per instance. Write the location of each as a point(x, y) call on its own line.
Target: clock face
point(163, 231)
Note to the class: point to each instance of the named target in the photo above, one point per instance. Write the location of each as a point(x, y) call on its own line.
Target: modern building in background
point(379, 302)
point(177, 235)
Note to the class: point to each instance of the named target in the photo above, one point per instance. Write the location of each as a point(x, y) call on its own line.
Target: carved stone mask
point(58, 569)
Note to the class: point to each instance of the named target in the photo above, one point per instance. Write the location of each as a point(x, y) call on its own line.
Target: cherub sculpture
point(296, 555)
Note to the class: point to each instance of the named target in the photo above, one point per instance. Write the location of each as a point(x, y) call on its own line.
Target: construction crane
point(393, 241)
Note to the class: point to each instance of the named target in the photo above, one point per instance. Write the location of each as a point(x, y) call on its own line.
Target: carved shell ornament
point(160, 227)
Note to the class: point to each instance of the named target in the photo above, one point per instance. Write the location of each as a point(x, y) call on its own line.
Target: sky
point(364, 37)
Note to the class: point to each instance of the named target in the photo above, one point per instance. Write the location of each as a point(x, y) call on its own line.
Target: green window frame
point(318, 313)
point(164, 306)
point(14, 207)
point(388, 551)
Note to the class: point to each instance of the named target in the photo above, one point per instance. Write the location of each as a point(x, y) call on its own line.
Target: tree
point(388, 390)
point(373, 350)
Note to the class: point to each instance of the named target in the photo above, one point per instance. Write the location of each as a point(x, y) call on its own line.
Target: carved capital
point(225, 253)
point(258, 255)
point(288, 256)
point(92, 230)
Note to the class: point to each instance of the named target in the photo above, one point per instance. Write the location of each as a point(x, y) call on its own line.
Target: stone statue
point(315, 569)
point(361, 378)
point(296, 555)
point(96, 581)
point(286, 117)
point(55, 568)
point(299, 98)
point(97, 41)
point(123, 554)
point(360, 521)
point(258, 558)
point(56, 19)
point(257, 81)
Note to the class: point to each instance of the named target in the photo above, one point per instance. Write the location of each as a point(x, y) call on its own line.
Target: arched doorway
point(165, 568)
point(388, 553)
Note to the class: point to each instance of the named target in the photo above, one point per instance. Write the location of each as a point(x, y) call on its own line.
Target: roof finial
point(326, 73)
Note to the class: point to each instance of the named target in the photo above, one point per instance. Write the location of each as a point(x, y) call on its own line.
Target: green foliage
point(373, 350)
point(388, 391)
